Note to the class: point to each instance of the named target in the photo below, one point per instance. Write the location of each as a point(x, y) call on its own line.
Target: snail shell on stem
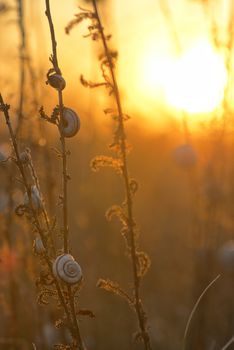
point(70, 122)
point(65, 268)
point(38, 246)
point(36, 199)
point(56, 81)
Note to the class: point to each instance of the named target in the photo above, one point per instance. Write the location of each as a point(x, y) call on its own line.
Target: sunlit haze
point(167, 61)
point(117, 174)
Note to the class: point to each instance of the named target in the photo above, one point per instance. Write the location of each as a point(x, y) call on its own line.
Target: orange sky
point(148, 38)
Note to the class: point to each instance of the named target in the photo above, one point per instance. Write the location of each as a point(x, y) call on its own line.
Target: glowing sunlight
point(197, 80)
point(193, 82)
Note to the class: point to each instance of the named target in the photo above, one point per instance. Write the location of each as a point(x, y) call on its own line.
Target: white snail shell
point(67, 269)
point(38, 246)
point(71, 123)
point(185, 156)
point(57, 81)
point(36, 199)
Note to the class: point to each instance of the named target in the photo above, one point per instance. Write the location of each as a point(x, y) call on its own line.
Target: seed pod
point(57, 81)
point(70, 123)
point(36, 199)
point(185, 156)
point(65, 268)
point(38, 246)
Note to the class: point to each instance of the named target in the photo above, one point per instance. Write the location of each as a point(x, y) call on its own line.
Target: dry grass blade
point(195, 308)
point(228, 343)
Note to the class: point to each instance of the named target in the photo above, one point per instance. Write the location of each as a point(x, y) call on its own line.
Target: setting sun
point(193, 82)
point(197, 80)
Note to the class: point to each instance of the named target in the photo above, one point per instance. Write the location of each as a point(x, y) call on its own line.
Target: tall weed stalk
point(139, 260)
point(50, 283)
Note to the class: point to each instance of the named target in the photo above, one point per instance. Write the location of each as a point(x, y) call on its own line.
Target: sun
point(193, 82)
point(197, 80)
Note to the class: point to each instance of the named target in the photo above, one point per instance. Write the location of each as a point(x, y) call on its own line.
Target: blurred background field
point(176, 77)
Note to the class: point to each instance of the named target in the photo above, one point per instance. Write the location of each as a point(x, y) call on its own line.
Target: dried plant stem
point(5, 108)
point(36, 181)
point(61, 297)
point(44, 211)
point(131, 224)
point(54, 59)
point(53, 39)
point(65, 176)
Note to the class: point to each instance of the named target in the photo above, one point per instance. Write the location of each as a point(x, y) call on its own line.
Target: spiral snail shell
point(71, 123)
point(57, 81)
point(38, 246)
point(67, 269)
point(36, 199)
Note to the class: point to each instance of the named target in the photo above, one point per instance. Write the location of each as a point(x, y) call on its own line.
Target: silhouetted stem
point(76, 336)
point(54, 61)
point(4, 108)
point(138, 304)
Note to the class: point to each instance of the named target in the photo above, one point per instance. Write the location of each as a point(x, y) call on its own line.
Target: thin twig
point(54, 59)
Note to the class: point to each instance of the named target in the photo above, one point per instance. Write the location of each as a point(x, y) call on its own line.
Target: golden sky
point(167, 58)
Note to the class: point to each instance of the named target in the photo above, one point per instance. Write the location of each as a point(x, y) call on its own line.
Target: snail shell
point(57, 81)
point(38, 246)
point(185, 156)
point(67, 269)
point(71, 123)
point(36, 199)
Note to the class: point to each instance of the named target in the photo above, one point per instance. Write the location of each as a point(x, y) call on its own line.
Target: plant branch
point(131, 224)
point(54, 60)
point(4, 108)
